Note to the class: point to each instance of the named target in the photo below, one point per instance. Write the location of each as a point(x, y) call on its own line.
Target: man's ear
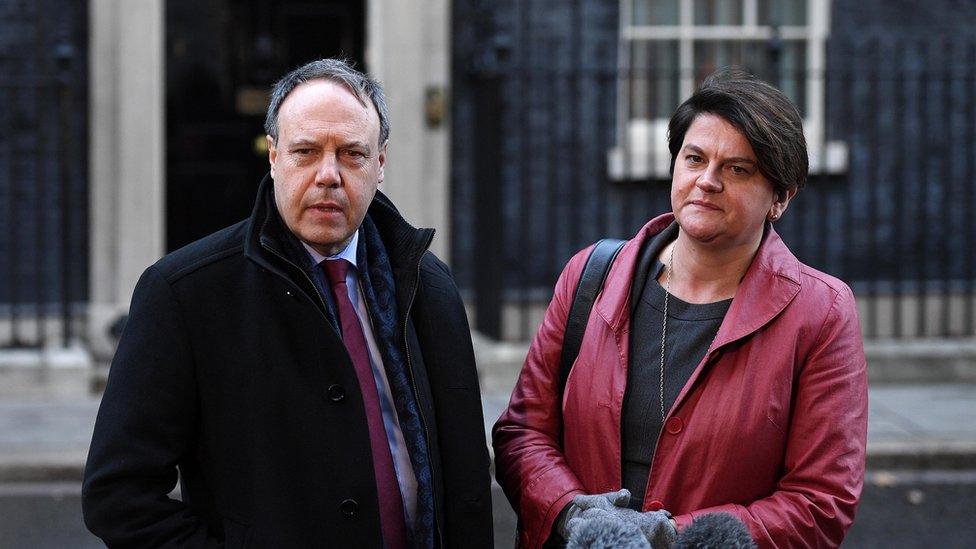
point(382, 160)
point(272, 154)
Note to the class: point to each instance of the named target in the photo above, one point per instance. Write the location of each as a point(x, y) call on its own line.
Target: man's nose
point(710, 181)
point(327, 174)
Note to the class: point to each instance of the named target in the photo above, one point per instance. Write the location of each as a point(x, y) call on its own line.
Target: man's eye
point(302, 152)
point(693, 158)
point(355, 154)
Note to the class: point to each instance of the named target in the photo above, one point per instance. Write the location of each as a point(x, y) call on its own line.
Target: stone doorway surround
point(126, 155)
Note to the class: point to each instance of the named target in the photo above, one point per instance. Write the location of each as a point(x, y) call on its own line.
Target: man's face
point(326, 163)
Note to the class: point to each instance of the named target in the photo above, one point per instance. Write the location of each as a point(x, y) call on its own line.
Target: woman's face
point(718, 194)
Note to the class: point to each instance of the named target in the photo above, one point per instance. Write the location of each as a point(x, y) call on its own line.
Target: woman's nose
point(709, 181)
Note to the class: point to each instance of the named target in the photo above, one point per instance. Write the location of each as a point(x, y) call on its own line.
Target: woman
point(717, 373)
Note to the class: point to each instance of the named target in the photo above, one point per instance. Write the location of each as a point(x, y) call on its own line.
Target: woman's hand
point(601, 515)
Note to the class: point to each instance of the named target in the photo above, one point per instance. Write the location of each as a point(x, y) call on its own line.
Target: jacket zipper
point(416, 392)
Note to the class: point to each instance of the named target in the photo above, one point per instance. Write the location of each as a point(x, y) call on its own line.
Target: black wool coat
point(229, 372)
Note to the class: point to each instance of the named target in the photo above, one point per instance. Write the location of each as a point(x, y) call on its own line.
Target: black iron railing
point(43, 194)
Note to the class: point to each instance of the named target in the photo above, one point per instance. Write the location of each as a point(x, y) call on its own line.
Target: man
point(308, 371)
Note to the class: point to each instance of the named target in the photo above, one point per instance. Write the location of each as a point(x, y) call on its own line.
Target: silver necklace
point(664, 323)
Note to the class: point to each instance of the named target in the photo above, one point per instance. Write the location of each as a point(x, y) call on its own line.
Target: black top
point(691, 329)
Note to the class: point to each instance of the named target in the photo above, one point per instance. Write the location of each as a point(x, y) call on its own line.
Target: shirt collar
point(348, 253)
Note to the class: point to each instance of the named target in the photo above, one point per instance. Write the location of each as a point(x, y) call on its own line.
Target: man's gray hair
point(335, 70)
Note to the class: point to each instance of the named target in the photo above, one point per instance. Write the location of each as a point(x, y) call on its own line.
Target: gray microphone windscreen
point(600, 532)
point(713, 531)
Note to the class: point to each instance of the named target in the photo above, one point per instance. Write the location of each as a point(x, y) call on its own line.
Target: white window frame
point(647, 155)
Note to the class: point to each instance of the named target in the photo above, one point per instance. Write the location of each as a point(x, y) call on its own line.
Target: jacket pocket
point(235, 534)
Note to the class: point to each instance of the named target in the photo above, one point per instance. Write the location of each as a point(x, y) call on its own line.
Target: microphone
point(715, 530)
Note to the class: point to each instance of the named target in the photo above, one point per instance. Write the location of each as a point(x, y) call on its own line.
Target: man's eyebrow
point(694, 148)
point(311, 143)
point(302, 142)
point(356, 145)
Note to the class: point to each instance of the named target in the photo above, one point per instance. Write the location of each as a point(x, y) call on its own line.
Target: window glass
point(656, 12)
point(783, 66)
point(782, 12)
point(789, 74)
point(718, 12)
point(654, 79)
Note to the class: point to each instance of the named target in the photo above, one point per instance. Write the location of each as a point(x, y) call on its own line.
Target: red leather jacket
point(770, 427)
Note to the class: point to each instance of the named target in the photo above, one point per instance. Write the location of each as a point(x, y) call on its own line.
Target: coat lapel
point(613, 304)
point(769, 285)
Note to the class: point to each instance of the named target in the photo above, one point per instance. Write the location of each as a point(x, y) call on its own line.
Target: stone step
point(53, 372)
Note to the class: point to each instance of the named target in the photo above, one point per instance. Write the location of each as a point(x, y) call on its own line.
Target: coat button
point(336, 393)
point(349, 507)
point(655, 506)
point(674, 425)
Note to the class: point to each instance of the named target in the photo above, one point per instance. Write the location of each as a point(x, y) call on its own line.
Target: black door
point(222, 56)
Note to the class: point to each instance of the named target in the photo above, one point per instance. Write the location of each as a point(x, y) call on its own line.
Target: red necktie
point(387, 487)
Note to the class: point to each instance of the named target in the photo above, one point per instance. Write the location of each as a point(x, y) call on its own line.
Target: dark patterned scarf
point(380, 294)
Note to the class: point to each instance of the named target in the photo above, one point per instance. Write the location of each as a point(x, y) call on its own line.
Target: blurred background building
point(131, 128)
point(523, 130)
point(559, 131)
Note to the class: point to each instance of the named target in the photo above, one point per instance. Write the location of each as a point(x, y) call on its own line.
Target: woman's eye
point(739, 170)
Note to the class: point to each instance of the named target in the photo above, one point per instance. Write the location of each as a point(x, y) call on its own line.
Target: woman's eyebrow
point(698, 150)
point(741, 159)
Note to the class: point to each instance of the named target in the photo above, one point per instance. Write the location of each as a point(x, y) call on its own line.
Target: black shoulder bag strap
point(590, 283)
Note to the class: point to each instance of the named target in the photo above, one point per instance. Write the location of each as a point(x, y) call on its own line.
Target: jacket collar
point(266, 232)
point(770, 283)
point(404, 243)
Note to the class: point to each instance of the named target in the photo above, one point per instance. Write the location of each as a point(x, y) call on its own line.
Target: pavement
point(921, 461)
point(918, 426)
point(910, 426)
point(44, 440)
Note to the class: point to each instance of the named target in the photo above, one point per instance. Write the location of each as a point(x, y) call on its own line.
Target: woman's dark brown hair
point(764, 115)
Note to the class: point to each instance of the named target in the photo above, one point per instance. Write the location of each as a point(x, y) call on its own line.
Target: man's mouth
point(326, 207)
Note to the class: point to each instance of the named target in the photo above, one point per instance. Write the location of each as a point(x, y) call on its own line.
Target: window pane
point(782, 12)
point(711, 55)
point(789, 73)
point(782, 64)
point(655, 12)
point(654, 79)
point(718, 12)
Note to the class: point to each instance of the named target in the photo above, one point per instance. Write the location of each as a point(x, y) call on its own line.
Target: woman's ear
point(782, 201)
